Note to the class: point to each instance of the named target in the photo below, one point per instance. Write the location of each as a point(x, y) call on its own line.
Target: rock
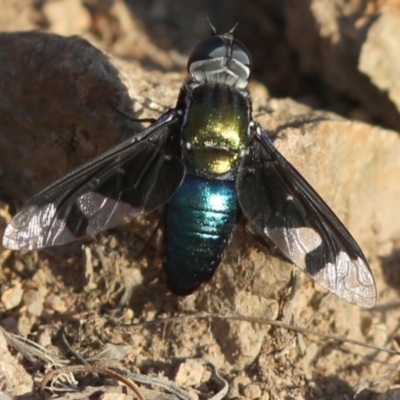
point(55, 303)
point(252, 391)
point(11, 298)
point(62, 16)
point(34, 302)
point(237, 386)
point(339, 40)
point(379, 55)
point(189, 374)
point(80, 75)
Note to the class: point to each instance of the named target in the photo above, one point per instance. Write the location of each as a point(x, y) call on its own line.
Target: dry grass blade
point(279, 324)
point(88, 369)
point(31, 351)
point(173, 388)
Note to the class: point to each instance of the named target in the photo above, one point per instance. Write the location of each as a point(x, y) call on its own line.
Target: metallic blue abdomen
point(200, 220)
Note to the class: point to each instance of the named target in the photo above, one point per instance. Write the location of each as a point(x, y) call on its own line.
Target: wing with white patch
point(135, 177)
point(287, 210)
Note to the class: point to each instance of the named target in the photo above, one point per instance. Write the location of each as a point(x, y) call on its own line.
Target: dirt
point(104, 301)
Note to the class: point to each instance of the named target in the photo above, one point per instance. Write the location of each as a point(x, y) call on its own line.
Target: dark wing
point(282, 205)
point(135, 177)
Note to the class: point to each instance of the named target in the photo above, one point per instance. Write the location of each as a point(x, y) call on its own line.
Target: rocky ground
point(325, 83)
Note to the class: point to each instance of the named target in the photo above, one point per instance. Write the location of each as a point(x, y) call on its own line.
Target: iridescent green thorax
point(215, 130)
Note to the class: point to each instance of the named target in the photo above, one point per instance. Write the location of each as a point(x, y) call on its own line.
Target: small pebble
point(12, 297)
point(113, 243)
point(237, 385)
point(34, 302)
point(45, 335)
point(193, 394)
point(55, 303)
point(189, 374)
point(252, 391)
point(24, 325)
point(207, 375)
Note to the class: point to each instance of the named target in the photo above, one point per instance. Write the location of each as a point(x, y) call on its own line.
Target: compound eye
point(212, 47)
point(215, 47)
point(241, 53)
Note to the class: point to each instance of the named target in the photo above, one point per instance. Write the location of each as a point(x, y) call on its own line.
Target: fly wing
point(133, 178)
point(286, 209)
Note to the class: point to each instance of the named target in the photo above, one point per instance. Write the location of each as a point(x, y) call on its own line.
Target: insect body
point(201, 217)
point(206, 160)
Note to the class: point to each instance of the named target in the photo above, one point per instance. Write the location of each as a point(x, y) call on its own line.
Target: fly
point(207, 161)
